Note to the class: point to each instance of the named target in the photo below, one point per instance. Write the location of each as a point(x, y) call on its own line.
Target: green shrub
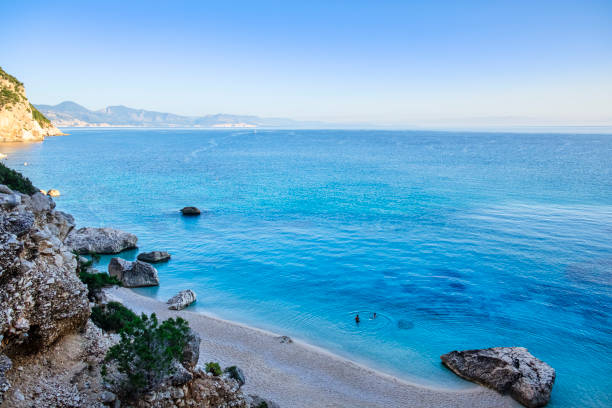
point(213, 368)
point(233, 372)
point(96, 281)
point(146, 353)
point(112, 317)
point(10, 78)
point(262, 404)
point(16, 181)
point(8, 97)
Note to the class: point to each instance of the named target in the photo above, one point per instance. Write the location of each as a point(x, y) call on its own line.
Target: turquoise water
point(456, 240)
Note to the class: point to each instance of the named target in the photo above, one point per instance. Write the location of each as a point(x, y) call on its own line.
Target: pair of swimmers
point(357, 319)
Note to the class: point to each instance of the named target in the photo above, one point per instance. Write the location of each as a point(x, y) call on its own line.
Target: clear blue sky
point(377, 61)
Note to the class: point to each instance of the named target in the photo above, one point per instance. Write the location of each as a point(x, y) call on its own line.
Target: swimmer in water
point(374, 317)
point(357, 319)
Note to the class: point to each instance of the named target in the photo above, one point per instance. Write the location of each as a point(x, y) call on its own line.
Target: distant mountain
point(69, 114)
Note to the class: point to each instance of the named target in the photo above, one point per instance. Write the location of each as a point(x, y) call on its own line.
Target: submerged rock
point(100, 241)
point(190, 211)
point(154, 256)
point(508, 370)
point(133, 274)
point(181, 300)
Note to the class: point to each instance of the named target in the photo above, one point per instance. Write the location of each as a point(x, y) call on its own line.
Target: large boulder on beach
point(181, 300)
point(508, 370)
point(190, 211)
point(100, 241)
point(154, 256)
point(133, 274)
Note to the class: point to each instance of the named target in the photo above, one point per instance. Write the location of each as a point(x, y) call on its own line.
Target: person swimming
point(374, 316)
point(357, 320)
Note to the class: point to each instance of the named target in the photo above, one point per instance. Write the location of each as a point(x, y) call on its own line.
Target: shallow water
point(455, 240)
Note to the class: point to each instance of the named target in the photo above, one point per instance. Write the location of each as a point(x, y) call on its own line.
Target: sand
point(300, 375)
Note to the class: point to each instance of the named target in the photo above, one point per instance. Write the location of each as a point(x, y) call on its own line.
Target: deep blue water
point(456, 240)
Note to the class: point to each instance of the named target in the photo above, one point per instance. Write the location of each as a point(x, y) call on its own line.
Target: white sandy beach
point(299, 375)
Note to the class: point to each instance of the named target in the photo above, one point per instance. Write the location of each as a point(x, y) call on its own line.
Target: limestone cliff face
point(19, 120)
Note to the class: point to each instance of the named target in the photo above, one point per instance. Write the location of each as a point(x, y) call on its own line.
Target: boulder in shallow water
point(154, 256)
point(508, 370)
point(133, 274)
point(181, 300)
point(190, 211)
point(100, 241)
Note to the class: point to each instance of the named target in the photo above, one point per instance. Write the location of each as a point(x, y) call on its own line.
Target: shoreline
point(299, 374)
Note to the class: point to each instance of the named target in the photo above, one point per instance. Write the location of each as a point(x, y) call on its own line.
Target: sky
point(384, 62)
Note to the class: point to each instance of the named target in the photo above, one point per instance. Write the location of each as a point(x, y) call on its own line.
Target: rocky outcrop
point(190, 211)
point(41, 298)
point(508, 370)
point(181, 300)
point(19, 120)
point(100, 241)
point(133, 274)
point(203, 390)
point(154, 256)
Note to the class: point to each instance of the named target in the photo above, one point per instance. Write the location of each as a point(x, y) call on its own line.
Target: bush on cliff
point(146, 354)
point(96, 281)
point(112, 317)
point(16, 181)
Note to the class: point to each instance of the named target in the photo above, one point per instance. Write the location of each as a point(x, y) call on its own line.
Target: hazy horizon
point(439, 64)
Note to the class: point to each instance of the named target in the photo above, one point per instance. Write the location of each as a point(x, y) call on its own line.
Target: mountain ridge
point(71, 114)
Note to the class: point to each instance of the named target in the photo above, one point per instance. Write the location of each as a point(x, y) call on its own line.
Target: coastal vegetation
point(39, 117)
point(213, 368)
point(94, 281)
point(112, 317)
point(16, 181)
point(146, 353)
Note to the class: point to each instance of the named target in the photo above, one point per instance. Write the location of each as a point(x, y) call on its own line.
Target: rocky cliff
point(20, 121)
point(51, 354)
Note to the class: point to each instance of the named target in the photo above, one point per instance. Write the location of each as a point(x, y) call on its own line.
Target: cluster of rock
point(508, 370)
point(41, 298)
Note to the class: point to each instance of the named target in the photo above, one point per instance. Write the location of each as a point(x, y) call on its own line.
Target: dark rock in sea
point(181, 300)
point(100, 241)
point(133, 274)
point(508, 370)
point(154, 256)
point(190, 211)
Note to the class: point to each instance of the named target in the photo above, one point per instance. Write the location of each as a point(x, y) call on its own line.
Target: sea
point(456, 240)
